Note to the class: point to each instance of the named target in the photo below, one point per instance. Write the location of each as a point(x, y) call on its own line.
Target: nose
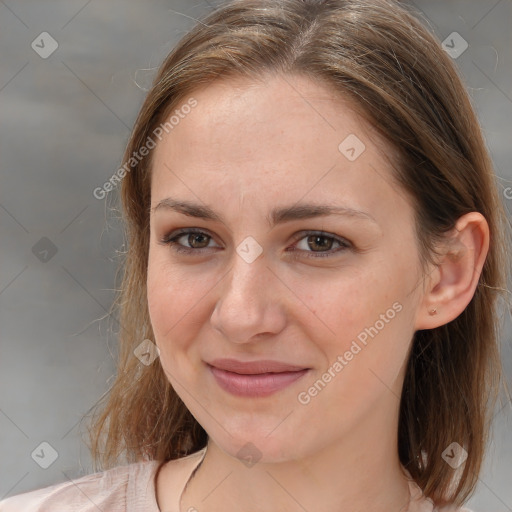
point(250, 302)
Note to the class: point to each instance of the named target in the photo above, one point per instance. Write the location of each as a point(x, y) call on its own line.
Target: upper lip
point(254, 367)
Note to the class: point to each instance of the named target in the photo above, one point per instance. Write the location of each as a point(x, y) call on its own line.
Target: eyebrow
point(278, 215)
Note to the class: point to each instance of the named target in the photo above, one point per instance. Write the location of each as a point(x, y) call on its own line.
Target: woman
point(316, 250)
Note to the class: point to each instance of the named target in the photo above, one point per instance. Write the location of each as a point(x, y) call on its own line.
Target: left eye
point(322, 243)
point(317, 242)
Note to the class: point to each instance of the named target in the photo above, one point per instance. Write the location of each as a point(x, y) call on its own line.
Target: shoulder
point(452, 509)
point(106, 490)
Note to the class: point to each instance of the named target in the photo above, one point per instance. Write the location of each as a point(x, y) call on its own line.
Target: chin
point(260, 448)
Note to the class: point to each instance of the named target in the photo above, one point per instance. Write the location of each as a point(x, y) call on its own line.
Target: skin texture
point(246, 148)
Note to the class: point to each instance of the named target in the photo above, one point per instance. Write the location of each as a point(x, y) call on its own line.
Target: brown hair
point(381, 57)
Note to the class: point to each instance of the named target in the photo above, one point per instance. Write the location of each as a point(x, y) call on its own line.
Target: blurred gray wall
point(72, 77)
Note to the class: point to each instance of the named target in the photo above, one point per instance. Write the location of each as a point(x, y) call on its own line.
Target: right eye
point(191, 236)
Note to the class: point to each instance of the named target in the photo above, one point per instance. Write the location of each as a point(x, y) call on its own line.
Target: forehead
point(274, 137)
point(240, 115)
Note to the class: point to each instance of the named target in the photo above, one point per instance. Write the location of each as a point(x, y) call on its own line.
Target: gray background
point(64, 122)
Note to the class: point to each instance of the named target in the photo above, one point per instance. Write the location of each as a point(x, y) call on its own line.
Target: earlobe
point(453, 283)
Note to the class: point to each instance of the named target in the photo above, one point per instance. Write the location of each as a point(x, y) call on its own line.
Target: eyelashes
point(310, 238)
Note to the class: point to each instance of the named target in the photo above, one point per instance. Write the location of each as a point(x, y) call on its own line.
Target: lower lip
point(254, 385)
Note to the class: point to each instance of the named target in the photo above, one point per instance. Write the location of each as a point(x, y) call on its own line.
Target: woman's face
point(265, 278)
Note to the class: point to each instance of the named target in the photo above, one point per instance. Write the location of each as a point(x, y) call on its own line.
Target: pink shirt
point(131, 488)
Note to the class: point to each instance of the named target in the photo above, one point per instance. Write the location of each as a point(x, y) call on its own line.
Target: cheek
point(368, 313)
point(169, 299)
point(170, 293)
point(372, 323)
point(176, 304)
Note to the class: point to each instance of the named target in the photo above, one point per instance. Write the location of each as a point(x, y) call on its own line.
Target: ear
point(453, 281)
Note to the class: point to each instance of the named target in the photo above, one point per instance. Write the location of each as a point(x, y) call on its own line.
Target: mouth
point(254, 379)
